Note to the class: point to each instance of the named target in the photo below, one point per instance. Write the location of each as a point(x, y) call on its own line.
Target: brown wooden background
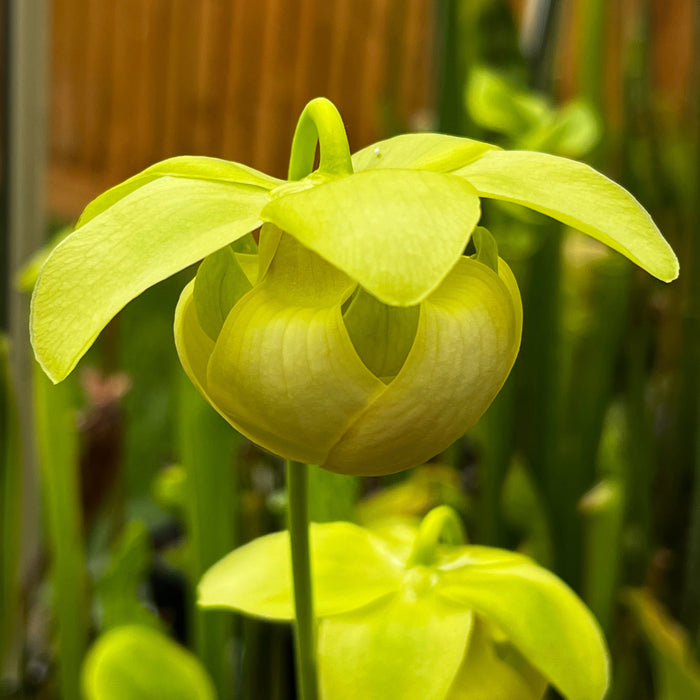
point(134, 81)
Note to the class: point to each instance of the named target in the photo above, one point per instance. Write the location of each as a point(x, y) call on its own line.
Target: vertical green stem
point(304, 633)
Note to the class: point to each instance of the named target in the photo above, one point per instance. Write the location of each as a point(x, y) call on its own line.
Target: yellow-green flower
point(358, 336)
point(402, 615)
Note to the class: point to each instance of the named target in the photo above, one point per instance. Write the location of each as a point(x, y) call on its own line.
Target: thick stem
point(304, 632)
point(320, 123)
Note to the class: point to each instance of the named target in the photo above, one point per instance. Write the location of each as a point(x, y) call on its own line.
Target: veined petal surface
point(398, 233)
point(542, 618)
point(154, 232)
point(404, 647)
point(467, 340)
point(578, 196)
point(350, 569)
point(437, 152)
point(284, 371)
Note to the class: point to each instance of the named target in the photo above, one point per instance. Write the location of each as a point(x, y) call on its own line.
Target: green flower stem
point(442, 524)
point(321, 123)
point(304, 633)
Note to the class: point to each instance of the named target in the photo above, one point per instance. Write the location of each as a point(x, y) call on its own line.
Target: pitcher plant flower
point(414, 613)
point(358, 335)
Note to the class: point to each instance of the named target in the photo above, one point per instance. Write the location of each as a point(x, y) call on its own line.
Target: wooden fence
point(134, 81)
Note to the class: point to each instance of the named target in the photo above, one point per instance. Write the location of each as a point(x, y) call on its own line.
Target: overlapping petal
point(467, 339)
point(283, 370)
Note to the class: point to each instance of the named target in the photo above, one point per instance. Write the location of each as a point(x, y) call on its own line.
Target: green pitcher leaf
point(149, 235)
point(185, 167)
point(397, 232)
point(140, 663)
point(578, 196)
point(448, 379)
point(219, 284)
point(437, 152)
point(350, 569)
point(541, 617)
point(381, 334)
point(408, 647)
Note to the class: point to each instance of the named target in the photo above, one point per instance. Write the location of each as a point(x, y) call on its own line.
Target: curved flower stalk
point(403, 615)
point(358, 336)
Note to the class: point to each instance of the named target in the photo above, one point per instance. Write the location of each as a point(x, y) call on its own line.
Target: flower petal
point(404, 647)
point(578, 196)
point(436, 152)
point(398, 233)
point(150, 234)
point(542, 618)
point(350, 569)
point(284, 371)
point(467, 340)
point(494, 670)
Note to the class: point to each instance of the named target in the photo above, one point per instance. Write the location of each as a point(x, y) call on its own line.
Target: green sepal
point(188, 168)
point(407, 647)
point(396, 232)
point(152, 233)
point(382, 335)
point(139, 663)
point(219, 284)
point(351, 569)
point(436, 152)
point(578, 196)
point(548, 624)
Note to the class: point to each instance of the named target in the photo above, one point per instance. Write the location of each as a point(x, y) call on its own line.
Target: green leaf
point(494, 670)
point(143, 238)
point(578, 196)
point(467, 339)
point(398, 233)
point(350, 568)
point(186, 167)
point(284, 345)
point(219, 284)
point(382, 335)
point(140, 663)
point(436, 152)
point(541, 617)
point(406, 647)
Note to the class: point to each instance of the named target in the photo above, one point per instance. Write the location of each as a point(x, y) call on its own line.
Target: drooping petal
point(436, 152)
point(284, 371)
point(548, 624)
point(404, 647)
point(186, 167)
point(398, 233)
point(350, 570)
point(467, 339)
point(578, 196)
point(150, 234)
point(494, 670)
